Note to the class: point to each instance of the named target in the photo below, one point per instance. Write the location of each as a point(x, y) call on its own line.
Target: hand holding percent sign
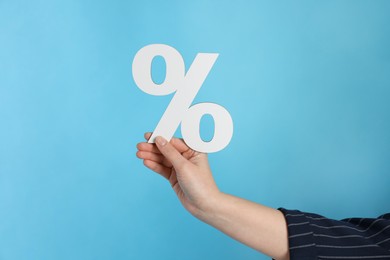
point(186, 86)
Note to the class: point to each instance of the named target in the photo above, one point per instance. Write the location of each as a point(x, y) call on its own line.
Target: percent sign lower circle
point(186, 86)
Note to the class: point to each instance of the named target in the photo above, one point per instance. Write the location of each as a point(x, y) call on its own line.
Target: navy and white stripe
point(312, 236)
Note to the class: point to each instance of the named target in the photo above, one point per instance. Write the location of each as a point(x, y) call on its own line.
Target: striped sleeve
point(312, 236)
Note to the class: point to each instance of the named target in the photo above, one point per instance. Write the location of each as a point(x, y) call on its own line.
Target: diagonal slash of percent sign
point(186, 86)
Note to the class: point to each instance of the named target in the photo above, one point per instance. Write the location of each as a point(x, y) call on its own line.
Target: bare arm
point(188, 172)
point(255, 225)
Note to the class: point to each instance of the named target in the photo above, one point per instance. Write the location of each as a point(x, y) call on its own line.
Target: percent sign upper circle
point(186, 86)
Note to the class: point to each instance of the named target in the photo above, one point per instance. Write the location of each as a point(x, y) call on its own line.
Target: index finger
point(178, 143)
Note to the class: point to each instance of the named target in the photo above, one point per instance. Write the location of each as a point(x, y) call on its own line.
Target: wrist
point(209, 206)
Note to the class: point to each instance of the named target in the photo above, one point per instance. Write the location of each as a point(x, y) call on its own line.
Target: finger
point(148, 147)
point(158, 168)
point(158, 158)
point(180, 145)
point(170, 152)
point(147, 135)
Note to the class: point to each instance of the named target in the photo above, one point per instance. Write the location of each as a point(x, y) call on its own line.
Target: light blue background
point(306, 82)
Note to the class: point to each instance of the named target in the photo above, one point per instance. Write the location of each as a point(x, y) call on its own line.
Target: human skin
point(189, 174)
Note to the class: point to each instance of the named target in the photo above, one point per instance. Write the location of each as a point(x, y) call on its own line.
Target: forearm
point(255, 225)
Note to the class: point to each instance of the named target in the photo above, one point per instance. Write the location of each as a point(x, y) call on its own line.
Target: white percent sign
point(186, 86)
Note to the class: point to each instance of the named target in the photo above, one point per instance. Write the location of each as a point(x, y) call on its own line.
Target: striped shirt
point(312, 236)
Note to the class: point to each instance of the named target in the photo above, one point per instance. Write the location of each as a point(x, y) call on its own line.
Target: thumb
point(170, 152)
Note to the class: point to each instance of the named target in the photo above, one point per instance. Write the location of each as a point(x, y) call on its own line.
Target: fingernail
point(161, 140)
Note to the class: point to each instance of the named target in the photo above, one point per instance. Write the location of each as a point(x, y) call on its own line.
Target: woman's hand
point(188, 172)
